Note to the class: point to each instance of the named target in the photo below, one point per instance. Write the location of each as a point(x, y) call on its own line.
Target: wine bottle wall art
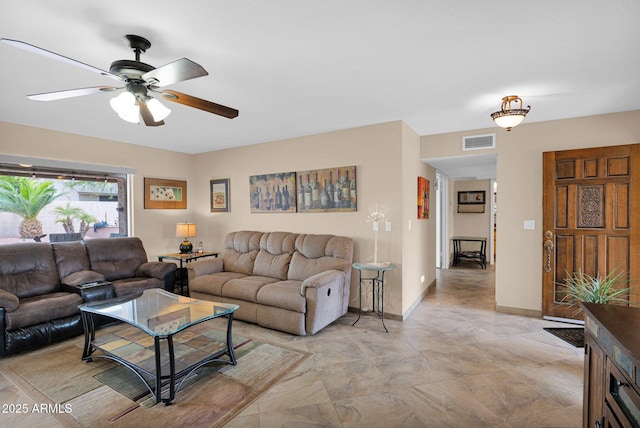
point(320, 190)
point(273, 193)
point(329, 189)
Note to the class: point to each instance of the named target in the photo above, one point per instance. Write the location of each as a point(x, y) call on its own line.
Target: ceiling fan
point(140, 82)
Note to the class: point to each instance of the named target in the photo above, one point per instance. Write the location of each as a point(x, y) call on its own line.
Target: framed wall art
point(219, 193)
point(423, 198)
point(273, 193)
point(164, 194)
point(471, 201)
point(325, 190)
point(476, 197)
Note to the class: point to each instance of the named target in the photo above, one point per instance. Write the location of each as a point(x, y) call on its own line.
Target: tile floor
point(454, 363)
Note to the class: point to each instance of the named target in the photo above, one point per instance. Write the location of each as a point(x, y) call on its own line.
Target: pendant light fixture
point(508, 117)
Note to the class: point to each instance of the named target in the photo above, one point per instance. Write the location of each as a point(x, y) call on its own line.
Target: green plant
point(68, 213)
point(26, 197)
point(85, 222)
point(581, 287)
point(65, 215)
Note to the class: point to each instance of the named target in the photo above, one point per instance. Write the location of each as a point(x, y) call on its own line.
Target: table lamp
point(185, 230)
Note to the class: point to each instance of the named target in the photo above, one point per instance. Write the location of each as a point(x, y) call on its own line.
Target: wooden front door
point(591, 216)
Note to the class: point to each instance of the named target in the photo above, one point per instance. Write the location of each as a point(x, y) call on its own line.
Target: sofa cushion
point(275, 254)
point(37, 309)
point(116, 258)
point(70, 257)
point(245, 288)
point(73, 264)
point(319, 253)
point(240, 251)
point(283, 294)
point(128, 286)
point(212, 284)
point(28, 269)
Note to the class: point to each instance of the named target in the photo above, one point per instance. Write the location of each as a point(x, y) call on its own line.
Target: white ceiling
point(296, 68)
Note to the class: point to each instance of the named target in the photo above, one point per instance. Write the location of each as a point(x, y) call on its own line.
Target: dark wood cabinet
point(611, 366)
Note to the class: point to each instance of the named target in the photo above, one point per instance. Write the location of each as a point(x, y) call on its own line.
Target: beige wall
point(387, 164)
point(519, 261)
point(418, 236)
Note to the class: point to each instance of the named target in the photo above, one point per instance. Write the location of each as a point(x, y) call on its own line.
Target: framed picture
point(326, 190)
point(219, 195)
point(423, 198)
point(164, 194)
point(471, 198)
point(273, 193)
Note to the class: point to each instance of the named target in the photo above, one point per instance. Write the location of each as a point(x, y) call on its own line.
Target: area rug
point(572, 335)
point(102, 392)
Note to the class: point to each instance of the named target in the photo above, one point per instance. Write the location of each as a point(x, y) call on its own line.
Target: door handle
point(548, 245)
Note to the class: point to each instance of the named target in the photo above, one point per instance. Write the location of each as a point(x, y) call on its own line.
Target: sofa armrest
point(8, 301)
point(204, 267)
point(158, 270)
point(321, 279)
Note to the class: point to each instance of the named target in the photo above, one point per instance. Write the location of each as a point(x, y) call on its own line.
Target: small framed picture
point(471, 198)
point(219, 195)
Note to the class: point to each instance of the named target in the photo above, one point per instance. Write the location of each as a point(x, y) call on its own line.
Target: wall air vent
point(476, 142)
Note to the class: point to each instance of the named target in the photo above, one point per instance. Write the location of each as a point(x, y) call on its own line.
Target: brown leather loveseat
point(37, 304)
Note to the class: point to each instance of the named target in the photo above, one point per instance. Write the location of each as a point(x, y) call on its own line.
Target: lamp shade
point(185, 230)
point(158, 110)
point(126, 106)
point(509, 120)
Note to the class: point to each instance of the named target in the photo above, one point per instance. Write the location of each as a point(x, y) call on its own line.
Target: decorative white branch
point(375, 217)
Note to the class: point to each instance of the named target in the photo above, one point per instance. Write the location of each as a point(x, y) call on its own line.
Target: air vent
point(476, 142)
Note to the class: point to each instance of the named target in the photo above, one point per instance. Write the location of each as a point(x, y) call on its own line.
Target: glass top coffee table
point(160, 315)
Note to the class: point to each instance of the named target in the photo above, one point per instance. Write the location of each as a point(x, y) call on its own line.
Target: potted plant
point(582, 287)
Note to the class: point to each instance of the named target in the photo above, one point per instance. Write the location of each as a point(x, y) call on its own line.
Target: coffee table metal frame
point(88, 310)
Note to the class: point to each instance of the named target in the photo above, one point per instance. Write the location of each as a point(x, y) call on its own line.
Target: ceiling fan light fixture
point(132, 116)
point(126, 106)
point(123, 102)
point(508, 117)
point(157, 109)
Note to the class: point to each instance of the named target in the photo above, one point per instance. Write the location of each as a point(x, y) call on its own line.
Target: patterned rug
point(103, 392)
point(572, 335)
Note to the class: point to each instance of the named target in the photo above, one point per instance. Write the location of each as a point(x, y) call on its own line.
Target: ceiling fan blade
point(147, 116)
point(60, 95)
point(43, 52)
point(174, 72)
point(188, 100)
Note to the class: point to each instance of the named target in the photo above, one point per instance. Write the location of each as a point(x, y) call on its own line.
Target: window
point(55, 203)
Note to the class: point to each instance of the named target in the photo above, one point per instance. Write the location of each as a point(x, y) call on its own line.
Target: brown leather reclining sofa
point(39, 296)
